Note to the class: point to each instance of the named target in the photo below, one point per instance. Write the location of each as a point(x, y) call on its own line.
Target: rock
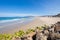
point(40, 36)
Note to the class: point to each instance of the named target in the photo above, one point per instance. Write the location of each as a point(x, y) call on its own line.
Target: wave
point(20, 20)
point(3, 21)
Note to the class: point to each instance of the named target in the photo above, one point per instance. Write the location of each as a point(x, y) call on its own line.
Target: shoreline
point(38, 21)
point(14, 26)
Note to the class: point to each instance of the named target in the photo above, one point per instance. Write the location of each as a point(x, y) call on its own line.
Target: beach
point(37, 21)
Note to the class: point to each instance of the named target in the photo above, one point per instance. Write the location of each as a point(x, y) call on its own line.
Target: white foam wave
point(3, 21)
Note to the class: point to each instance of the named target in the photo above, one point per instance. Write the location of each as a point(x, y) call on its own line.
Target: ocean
point(10, 20)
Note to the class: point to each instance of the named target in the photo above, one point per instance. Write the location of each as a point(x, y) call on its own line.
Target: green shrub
point(29, 31)
point(19, 34)
point(5, 37)
point(40, 28)
point(1, 36)
point(45, 25)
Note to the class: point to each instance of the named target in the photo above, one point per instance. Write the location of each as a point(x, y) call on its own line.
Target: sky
point(29, 7)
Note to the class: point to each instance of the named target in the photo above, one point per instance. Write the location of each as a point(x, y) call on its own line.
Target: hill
point(58, 15)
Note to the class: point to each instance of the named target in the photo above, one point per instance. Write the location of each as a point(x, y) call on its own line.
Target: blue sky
point(29, 7)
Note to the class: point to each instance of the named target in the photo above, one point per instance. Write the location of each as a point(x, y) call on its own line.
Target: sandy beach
point(38, 21)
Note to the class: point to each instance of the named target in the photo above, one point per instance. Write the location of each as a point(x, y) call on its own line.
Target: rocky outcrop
point(40, 35)
point(50, 33)
point(57, 27)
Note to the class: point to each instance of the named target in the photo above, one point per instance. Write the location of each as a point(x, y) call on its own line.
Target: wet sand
point(38, 21)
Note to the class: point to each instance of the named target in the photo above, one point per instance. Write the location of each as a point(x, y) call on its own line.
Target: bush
point(19, 34)
point(40, 28)
point(5, 37)
point(29, 31)
point(1, 36)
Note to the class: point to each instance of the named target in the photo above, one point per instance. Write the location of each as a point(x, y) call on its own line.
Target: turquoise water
point(8, 23)
point(6, 20)
point(9, 19)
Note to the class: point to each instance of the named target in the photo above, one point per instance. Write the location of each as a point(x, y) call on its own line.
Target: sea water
point(10, 20)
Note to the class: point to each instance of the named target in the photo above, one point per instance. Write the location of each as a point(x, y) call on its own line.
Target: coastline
point(13, 26)
point(38, 21)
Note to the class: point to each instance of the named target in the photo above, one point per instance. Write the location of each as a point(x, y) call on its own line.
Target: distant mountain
point(58, 15)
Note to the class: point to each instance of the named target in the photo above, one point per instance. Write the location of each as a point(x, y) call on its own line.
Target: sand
point(38, 21)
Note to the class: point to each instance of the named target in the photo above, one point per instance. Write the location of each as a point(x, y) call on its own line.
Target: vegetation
point(5, 36)
point(18, 34)
point(40, 28)
point(29, 31)
point(9, 36)
point(1, 36)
